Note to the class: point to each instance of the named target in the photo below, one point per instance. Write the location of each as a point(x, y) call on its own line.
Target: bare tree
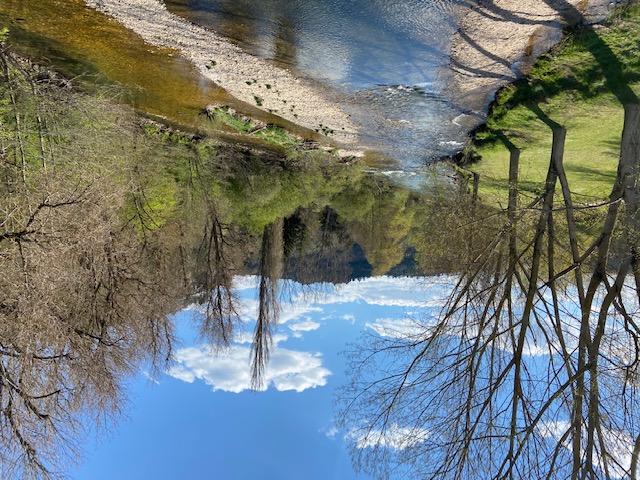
point(271, 265)
point(531, 368)
point(83, 302)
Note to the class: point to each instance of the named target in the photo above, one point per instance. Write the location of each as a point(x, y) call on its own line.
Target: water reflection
point(508, 345)
point(358, 43)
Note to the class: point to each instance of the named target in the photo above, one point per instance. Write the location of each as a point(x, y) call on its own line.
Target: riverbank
point(498, 41)
point(582, 85)
point(246, 77)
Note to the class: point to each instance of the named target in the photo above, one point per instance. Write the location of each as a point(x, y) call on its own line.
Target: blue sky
point(201, 420)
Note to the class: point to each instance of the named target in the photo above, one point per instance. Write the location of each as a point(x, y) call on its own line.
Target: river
point(385, 62)
point(262, 318)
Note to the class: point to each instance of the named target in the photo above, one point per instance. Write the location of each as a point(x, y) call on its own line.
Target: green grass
point(223, 116)
point(269, 134)
point(581, 85)
point(274, 135)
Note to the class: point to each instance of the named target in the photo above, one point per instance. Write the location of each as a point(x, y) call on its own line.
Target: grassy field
point(581, 85)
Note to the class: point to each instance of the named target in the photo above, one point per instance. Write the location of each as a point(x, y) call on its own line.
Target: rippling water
point(385, 61)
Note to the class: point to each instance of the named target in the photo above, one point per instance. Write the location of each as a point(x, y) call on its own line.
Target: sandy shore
point(247, 78)
point(498, 40)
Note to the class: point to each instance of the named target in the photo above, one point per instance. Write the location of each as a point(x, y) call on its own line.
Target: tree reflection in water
point(530, 371)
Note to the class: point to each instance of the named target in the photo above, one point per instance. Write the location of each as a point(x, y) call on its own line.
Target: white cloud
point(293, 311)
point(304, 326)
point(395, 437)
point(248, 309)
point(331, 432)
point(245, 282)
point(149, 377)
point(247, 337)
point(248, 306)
point(619, 445)
point(540, 339)
point(393, 291)
point(230, 372)
point(179, 372)
point(398, 328)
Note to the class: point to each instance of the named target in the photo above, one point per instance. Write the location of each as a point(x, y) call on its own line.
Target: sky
point(201, 420)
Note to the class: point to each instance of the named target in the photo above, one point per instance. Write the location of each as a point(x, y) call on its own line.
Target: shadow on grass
point(505, 141)
point(610, 73)
point(535, 108)
point(585, 170)
point(609, 65)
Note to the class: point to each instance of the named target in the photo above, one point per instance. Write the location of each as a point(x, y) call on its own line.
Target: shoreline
point(498, 41)
point(247, 78)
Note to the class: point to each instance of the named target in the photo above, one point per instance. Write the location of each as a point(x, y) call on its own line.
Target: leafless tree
point(83, 302)
point(271, 265)
point(530, 370)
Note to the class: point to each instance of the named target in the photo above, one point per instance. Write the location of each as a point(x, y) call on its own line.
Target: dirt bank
point(247, 78)
point(498, 40)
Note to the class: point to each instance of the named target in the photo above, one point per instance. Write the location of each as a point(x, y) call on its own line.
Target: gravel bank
point(247, 78)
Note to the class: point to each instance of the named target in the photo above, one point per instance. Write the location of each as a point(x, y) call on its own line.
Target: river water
point(385, 62)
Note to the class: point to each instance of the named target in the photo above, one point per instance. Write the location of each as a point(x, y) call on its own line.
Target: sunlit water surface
point(384, 62)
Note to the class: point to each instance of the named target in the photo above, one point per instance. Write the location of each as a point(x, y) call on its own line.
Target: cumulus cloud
point(539, 341)
point(247, 337)
point(181, 373)
point(293, 311)
point(245, 282)
point(398, 328)
point(230, 372)
point(393, 291)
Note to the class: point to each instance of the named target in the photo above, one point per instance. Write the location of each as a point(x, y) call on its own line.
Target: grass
point(274, 135)
point(581, 85)
point(269, 134)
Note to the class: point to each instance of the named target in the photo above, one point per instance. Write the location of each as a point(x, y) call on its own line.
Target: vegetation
point(227, 119)
point(582, 85)
point(112, 223)
point(530, 370)
point(85, 299)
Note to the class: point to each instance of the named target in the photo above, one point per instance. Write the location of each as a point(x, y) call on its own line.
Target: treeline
point(111, 223)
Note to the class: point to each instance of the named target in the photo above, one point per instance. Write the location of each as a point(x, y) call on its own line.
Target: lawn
point(582, 85)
